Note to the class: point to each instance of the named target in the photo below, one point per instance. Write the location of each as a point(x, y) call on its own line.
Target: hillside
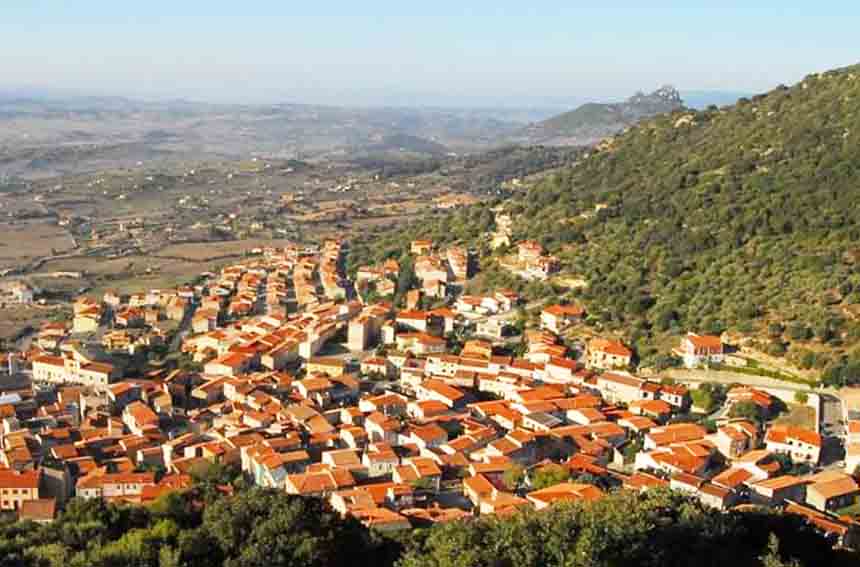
point(742, 219)
point(723, 219)
point(592, 122)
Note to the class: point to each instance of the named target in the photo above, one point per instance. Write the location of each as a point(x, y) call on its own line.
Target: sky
point(472, 52)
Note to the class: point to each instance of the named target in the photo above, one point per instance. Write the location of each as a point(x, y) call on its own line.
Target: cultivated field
point(206, 251)
point(22, 242)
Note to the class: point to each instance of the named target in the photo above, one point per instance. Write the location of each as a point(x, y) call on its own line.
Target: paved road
point(183, 329)
point(726, 377)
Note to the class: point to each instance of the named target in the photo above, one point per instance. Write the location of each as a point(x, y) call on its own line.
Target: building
point(557, 318)
point(16, 488)
point(73, 367)
point(802, 445)
point(421, 247)
point(605, 354)
point(126, 487)
point(701, 350)
point(831, 490)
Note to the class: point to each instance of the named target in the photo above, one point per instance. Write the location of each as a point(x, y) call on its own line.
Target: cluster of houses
point(303, 387)
point(531, 261)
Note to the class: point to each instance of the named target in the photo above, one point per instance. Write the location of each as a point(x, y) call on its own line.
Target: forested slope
point(721, 218)
point(745, 218)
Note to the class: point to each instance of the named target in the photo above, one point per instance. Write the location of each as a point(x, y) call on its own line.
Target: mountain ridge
point(593, 121)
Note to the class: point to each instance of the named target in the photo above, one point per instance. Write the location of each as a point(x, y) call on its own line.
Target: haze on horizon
point(449, 53)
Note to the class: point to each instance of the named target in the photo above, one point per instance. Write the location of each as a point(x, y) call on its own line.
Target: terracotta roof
point(13, 479)
point(782, 433)
point(566, 492)
point(43, 509)
point(610, 347)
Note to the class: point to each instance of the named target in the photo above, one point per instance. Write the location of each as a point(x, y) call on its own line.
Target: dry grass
point(15, 317)
point(23, 242)
point(798, 416)
point(206, 251)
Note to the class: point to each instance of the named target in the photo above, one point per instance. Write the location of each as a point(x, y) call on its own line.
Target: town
point(402, 401)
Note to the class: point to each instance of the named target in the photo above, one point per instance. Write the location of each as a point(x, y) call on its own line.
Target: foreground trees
point(268, 528)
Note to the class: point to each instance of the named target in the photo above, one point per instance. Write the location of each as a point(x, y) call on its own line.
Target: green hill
point(722, 219)
point(593, 121)
point(744, 218)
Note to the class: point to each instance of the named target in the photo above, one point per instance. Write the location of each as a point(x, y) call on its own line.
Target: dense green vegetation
point(268, 528)
point(721, 219)
point(743, 218)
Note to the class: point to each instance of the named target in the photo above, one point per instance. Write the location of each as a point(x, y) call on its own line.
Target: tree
point(801, 397)
point(772, 558)
point(746, 409)
point(513, 477)
point(406, 279)
point(549, 475)
point(709, 396)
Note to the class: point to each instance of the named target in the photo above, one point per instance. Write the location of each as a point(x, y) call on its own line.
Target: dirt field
point(798, 416)
point(205, 251)
point(23, 242)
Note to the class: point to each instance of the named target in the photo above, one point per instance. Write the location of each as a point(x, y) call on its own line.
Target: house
point(701, 350)
point(440, 391)
point(674, 433)
point(529, 251)
point(18, 487)
point(139, 418)
point(204, 320)
point(564, 492)
point(774, 491)
point(617, 387)
point(379, 459)
point(375, 365)
point(557, 318)
point(332, 367)
point(73, 367)
point(230, 364)
point(735, 439)
point(429, 436)
point(606, 354)
point(802, 445)
point(420, 343)
point(114, 486)
point(492, 327)
point(421, 247)
point(419, 470)
point(319, 483)
point(831, 490)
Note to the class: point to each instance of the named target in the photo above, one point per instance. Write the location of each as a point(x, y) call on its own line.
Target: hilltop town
point(399, 398)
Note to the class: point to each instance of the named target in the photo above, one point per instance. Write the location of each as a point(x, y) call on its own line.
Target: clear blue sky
point(374, 51)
